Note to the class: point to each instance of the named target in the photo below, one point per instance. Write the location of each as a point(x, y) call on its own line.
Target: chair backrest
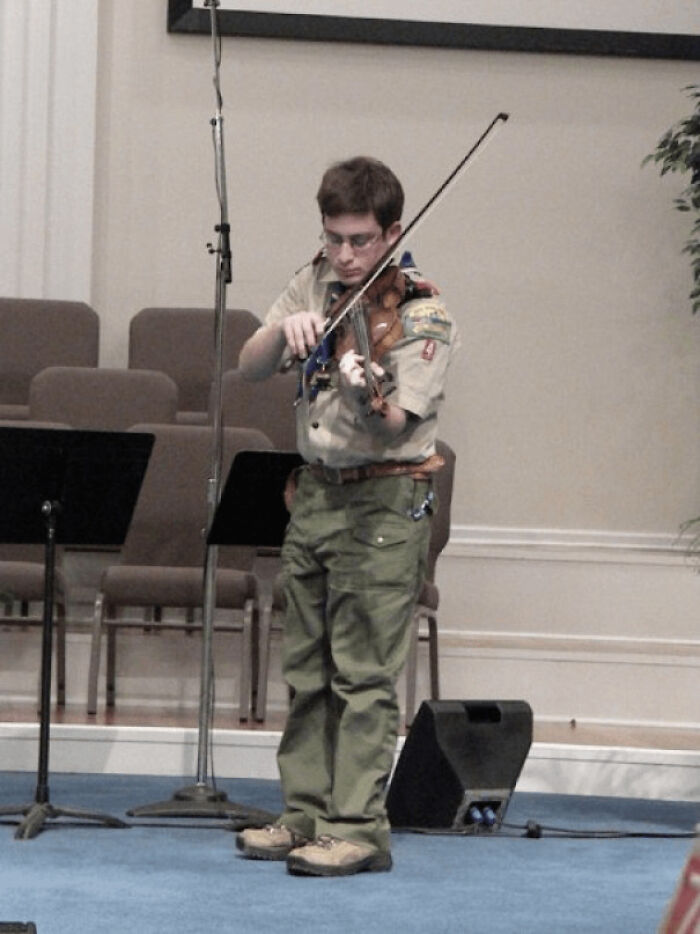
point(102, 398)
point(36, 333)
point(171, 511)
point(268, 406)
point(180, 342)
point(32, 553)
point(440, 531)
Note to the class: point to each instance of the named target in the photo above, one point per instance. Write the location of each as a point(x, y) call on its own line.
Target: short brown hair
point(359, 186)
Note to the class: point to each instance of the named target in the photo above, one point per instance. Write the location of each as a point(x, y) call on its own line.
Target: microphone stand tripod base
point(38, 813)
point(202, 800)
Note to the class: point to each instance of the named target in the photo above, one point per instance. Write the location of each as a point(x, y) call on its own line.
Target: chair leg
point(24, 611)
point(433, 654)
point(246, 660)
point(59, 647)
point(95, 647)
point(60, 654)
point(264, 632)
point(111, 688)
point(411, 669)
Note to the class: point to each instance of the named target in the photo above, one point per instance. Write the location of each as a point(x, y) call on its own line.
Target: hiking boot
point(272, 842)
point(328, 856)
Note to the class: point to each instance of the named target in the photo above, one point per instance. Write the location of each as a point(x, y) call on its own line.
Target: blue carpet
point(187, 876)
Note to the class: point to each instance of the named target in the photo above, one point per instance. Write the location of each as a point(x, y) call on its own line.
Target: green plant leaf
point(678, 151)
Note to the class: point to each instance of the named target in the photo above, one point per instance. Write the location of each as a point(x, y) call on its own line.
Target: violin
point(371, 328)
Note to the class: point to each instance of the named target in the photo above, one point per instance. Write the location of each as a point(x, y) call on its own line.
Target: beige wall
point(574, 401)
point(573, 405)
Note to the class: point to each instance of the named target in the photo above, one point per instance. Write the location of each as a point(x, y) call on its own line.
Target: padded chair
point(272, 614)
point(37, 333)
point(163, 555)
point(22, 601)
point(102, 398)
point(267, 405)
point(181, 343)
point(425, 621)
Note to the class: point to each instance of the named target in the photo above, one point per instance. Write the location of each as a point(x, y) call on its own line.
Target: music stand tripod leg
point(41, 810)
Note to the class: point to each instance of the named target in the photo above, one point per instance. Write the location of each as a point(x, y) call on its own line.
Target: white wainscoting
point(584, 625)
point(598, 632)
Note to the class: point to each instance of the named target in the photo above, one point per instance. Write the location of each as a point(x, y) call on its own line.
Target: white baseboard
point(614, 771)
point(139, 750)
point(551, 768)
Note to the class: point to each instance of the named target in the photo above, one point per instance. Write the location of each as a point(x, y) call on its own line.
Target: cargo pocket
point(380, 553)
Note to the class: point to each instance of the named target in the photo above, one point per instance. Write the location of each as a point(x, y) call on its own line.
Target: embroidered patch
point(427, 319)
point(428, 349)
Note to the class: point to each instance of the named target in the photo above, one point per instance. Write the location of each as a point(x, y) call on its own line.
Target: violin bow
point(354, 295)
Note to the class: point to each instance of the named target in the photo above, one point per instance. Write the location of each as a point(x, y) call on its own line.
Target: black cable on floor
point(535, 831)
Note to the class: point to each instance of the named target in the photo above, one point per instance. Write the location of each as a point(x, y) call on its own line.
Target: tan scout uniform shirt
point(333, 432)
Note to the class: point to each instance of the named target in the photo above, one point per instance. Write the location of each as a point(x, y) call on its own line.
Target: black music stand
point(251, 512)
point(65, 487)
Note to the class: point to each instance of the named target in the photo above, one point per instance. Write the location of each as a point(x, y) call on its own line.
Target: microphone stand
point(203, 799)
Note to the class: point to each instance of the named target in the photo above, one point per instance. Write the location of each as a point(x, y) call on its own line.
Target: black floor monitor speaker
point(459, 765)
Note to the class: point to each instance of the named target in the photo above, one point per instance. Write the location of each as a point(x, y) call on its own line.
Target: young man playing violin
point(355, 550)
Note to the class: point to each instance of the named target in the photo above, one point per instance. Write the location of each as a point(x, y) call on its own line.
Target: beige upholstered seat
point(35, 334)
point(163, 555)
point(267, 405)
point(181, 342)
point(272, 614)
point(102, 398)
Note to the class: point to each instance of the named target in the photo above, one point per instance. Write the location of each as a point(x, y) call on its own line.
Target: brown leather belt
point(339, 475)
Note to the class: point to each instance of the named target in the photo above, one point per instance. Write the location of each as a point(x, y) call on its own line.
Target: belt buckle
point(333, 475)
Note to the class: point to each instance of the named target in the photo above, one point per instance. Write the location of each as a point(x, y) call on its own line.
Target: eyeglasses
point(357, 242)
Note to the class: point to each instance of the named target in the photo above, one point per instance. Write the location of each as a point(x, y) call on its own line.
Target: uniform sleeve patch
point(427, 320)
point(428, 349)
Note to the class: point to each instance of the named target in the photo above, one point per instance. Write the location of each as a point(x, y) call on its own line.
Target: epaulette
point(417, 285)
point(416, 290)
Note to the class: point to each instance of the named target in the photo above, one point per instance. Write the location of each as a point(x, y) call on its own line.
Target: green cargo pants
point(353, 563)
